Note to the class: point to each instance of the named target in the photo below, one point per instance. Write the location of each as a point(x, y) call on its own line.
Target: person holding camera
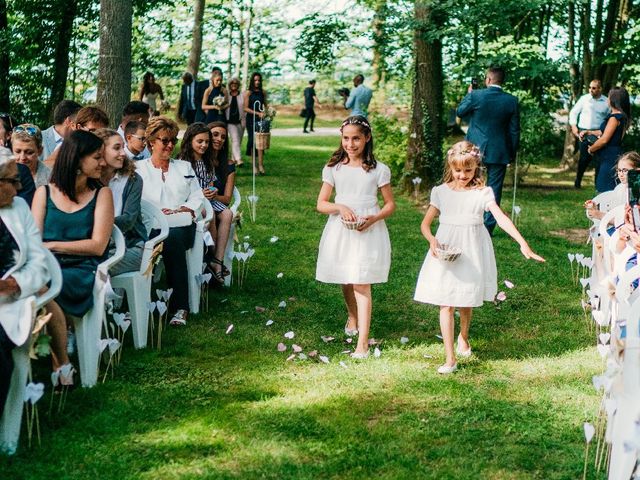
point(587, 114)
point(358, 99)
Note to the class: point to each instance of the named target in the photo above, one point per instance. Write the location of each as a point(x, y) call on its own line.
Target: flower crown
point(474, 152)
point(357, 120)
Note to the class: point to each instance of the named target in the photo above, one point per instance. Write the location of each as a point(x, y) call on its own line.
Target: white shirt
point(116, 184)
point(179, 188)
point(588, 113)
point(143, 155)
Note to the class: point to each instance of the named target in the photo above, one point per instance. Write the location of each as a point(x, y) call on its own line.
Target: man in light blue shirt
point(359, 97)
point(587, 114)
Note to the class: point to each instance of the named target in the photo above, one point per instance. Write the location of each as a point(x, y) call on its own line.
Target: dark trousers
point(174, 250)
point(190, 117)
point(6, 367)
point(583, 163)
point(311, 116)
point(495, 180)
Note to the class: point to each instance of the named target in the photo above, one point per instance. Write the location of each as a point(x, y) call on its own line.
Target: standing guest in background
point(135, 140)
point(587, 114)
point(173, 187)
point(6, 127)
point(187, 106)
point(359, 98)
point(75, 215)
point(64, 121)
point(201, 86)
point(255, 104)
point(149, 93)
point(494, 127)
point(26, 144)
point(119, 173)
point(610, 134)
point(215, 100)
point(310, 100)
point(21, 275)
point(236, 120)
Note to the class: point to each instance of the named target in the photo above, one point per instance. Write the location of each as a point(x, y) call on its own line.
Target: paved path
point(297, 132)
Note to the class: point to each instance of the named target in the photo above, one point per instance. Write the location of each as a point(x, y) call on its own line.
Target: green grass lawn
point(294, 121)
point(218, 406)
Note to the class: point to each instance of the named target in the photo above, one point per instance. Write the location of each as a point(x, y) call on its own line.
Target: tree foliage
point(320, 38)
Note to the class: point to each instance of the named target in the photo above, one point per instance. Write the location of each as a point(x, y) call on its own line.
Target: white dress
point(472, 278)
point(349, 256)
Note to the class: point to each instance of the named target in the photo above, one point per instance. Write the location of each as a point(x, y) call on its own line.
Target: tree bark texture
point(114, 70)
point(424, 156)
point(247, 45)
point(5, 101)
point(196, 38)
point(377, 26)
point(68, 9)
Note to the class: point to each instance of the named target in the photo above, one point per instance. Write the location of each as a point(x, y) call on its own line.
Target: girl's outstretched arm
point(507, 225)
point(425, 228)
point(329, 208)
point(386, 211)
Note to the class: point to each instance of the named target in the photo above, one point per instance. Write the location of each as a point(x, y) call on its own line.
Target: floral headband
point(357, 120)
point(474, 152)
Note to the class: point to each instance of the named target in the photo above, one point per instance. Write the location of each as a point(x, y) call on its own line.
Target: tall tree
point(247, 44)
point(61, 56)
point(196, 38)
point(5, 102)
point(114, 68)
point(424, 157)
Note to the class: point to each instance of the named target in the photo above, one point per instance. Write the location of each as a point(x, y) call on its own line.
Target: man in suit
point(64, 121)
point(494, 126)
point(187, 105)
point(200, 87)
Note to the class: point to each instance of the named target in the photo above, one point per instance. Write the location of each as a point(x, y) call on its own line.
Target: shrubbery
point(391, 139)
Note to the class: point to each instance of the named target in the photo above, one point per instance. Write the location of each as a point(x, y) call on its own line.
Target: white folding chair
point(12, 417)
point(195, 256)
point(137, 285)
point(228, 252)
point(89, 327)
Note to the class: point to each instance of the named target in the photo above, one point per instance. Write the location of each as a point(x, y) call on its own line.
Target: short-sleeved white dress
point(472, 278)
point(349, 256)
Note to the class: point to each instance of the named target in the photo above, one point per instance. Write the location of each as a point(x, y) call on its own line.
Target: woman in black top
point(215, 99)
point(255, 104)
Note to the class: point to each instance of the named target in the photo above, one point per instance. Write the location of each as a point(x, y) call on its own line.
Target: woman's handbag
point(303, 113)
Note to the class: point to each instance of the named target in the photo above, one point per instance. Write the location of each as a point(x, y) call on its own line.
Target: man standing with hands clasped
point(494, 127)
point(587, 114)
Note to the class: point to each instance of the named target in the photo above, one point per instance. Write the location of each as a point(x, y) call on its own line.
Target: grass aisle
point(218, 406)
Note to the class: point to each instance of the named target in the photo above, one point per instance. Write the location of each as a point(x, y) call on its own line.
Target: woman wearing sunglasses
point(172, 185)
point(26, 144)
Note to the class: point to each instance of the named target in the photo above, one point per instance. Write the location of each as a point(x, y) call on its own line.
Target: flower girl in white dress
point(470, 279)
point(355, 250)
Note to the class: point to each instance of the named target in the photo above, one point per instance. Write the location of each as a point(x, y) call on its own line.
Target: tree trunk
point(61, 56)
point(230, 49)
point(196, 38)
point(570, 153)
point(247, 45)
point(114, 70)
point(377, 26)
point(5, 101)
point(424, 156)
point(585, 38)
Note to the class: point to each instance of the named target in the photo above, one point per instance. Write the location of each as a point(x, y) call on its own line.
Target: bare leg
point(465, 323)
point(57, 328)
point(363, 300)
point(224, 227)
point(352, 307)
point(446, 328)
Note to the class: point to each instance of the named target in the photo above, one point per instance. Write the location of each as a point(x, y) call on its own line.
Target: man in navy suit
point(494, 126)
point(187, 105)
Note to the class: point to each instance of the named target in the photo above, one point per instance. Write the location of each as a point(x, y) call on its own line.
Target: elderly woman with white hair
point(22, 269)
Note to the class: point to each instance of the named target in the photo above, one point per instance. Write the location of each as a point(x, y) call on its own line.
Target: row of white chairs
point(617, 304)
point(88, 329)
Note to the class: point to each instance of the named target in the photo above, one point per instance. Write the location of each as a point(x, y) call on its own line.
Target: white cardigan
point(30, 271)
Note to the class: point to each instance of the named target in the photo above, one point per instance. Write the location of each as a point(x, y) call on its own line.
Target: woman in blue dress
point(609, 144)
point(216, 109)
point(255, 104)
point(75, 215)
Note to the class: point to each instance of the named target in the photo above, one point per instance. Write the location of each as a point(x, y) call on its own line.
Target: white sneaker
point(446, 369)
point(179, 318)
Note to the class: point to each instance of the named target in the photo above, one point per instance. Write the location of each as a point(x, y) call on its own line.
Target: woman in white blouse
point(173, 187)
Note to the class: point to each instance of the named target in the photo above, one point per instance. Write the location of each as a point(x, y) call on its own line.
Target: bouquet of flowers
point(218, 101)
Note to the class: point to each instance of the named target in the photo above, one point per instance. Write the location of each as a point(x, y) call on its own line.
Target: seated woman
point(172, 185)
point(21, 275)
point(119, 173)
point(75, 215)
point(26, 143)
point(197, 149)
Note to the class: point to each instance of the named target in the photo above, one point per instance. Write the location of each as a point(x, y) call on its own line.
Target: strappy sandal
point(223, 269)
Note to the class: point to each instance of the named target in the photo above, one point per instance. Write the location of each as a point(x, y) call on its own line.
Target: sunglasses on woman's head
point(27, 128)
point(167, 141)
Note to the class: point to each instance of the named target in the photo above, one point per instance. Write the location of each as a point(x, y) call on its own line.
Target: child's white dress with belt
point(472, 278)
point(349, 256)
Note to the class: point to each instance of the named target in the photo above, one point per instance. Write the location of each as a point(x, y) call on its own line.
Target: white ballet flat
point(446, 369)
point(465, 354)
point(360, 356)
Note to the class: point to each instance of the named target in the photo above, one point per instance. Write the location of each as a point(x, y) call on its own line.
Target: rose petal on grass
point(269, 322)
point(229, 329)
point(327, 339)
point(439, 336)
point(292, 299)
point(224, 300)
point(313, 353)
point(323, 359)
point(260, 309)
point(291, 357)
point(274, 239)
point(501, 296)
point(377, 352)
point(404, 340)
point(349, 340)
point(289, 335)
point(296, 348)
point(280, 275)
point(346, 351)
point(508, 284)
point(282, 347)
point(343, 365)
point(282, 304)
point(427, 356)
point(373, 341)
point(302, 356)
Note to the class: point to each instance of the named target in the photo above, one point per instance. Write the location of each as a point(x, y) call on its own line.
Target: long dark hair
point(368, 159)
point(65, 171)
point(619, 99)
point(251, 86)
point(186, 148)
point(221, 157)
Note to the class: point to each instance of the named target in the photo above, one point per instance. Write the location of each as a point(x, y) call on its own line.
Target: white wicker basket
point(448, 253)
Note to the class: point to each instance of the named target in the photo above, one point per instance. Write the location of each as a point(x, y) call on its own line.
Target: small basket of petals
point(447, 253)
point(353, 224)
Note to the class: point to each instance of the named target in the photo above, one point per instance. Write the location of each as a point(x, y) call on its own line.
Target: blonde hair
point(158, 124)
point(464, 154)
point(632, 157)
point(25, 136)
point(128, 166)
